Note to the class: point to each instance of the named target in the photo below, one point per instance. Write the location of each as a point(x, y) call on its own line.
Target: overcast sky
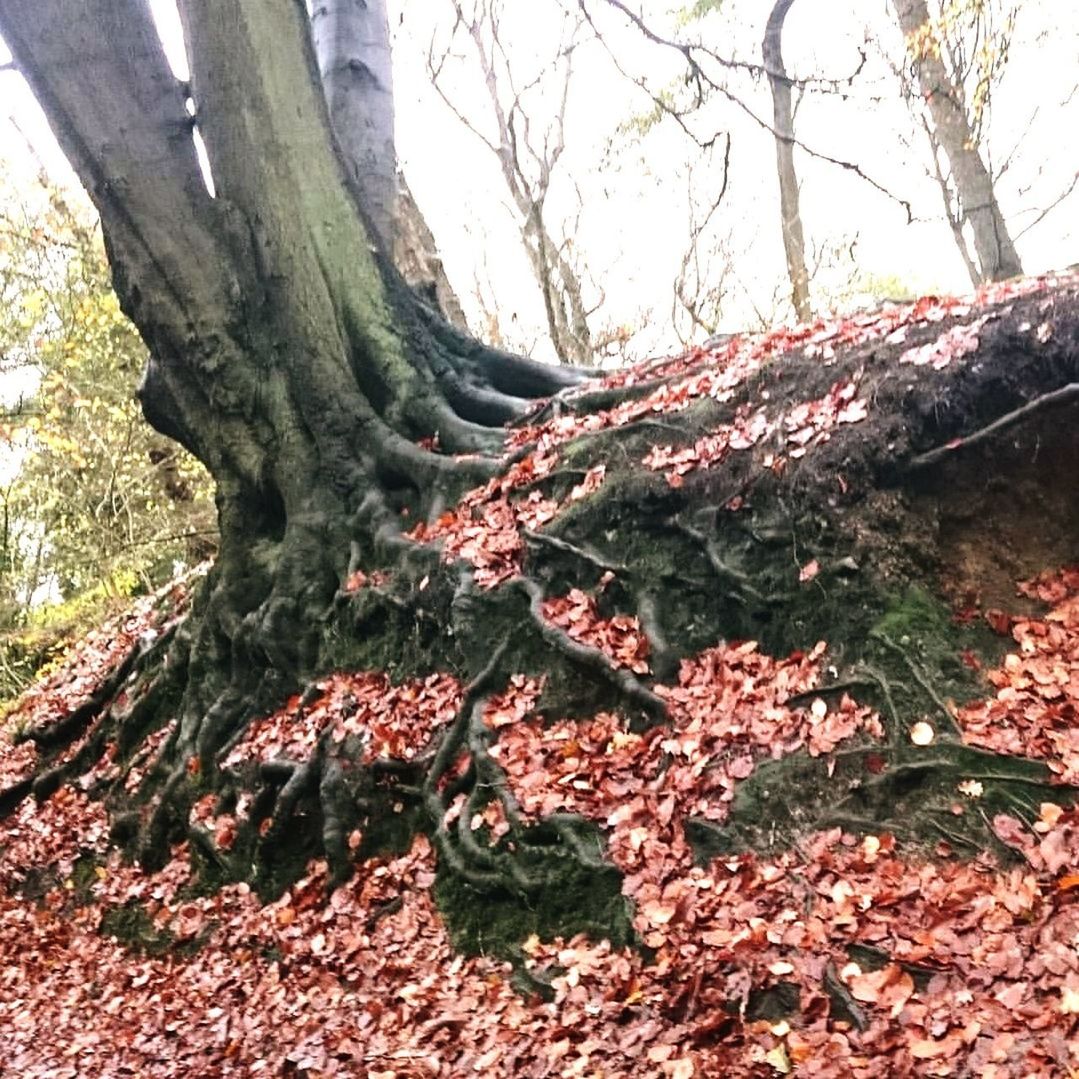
point(631, 227)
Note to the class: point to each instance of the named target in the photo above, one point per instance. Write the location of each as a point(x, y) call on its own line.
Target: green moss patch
point(575, 898)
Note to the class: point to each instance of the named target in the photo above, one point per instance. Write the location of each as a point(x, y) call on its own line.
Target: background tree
point(783, 130)
point(528, 152)
point(713, 97)
point(956, 57)
point(96, 506)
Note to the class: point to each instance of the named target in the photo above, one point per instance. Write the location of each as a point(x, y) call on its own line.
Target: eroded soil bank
point(729, 730)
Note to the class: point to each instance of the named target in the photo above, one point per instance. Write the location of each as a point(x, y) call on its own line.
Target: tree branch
point(702, 80)
point(119, 115)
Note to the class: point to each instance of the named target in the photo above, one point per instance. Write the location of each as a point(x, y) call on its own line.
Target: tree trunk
point(352, 44)
point(286, 353)
point(953, 214)
point(560, 287)
point(783, 128)
point(997, 257)
point(416, 256)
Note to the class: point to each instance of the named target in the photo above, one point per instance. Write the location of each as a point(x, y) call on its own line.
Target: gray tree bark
point(354, 50)
point(783, 127)
point(996, 254)
point(286, 352)
point(417, 257)
point(352, 43)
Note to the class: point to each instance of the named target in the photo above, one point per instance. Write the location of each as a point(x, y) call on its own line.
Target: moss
point(84, 875)
point(285, 861)
point(911, 616)
point(917, 640)
point(133, 927)
point(911, 793)
point(389, 830)
point(576, 898)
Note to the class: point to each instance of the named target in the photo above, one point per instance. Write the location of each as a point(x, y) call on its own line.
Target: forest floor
point(829, 950)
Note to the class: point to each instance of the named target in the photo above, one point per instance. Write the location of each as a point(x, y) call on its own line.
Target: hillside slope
point(731, 730)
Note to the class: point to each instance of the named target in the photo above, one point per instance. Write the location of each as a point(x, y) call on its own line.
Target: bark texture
point(951, 131)
point(354, 50)
point(286, 353)
point(783, 128)
point(352, 43)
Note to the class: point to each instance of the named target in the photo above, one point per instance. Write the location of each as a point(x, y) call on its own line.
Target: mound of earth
point(729, 730)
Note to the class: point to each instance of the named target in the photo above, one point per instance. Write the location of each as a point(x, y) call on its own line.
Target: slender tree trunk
point(783, 126)
point(352, 43)
point(560, 287)
point(558, 280)
point(997, 257)
point(953, 214)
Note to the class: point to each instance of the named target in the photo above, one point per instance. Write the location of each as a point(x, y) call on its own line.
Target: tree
point(527, 160)
point(942, 73)
point(712, 100)
point(285, 352)
point(783, 120)
point(748, 585)
point(352, 45)
point(96, 505)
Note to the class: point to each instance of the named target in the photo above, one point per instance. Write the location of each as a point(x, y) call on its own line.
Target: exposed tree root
point(907, 791)
point(1062, 396)
point(650, 709)
point(922, 679)
point(544, 539)
point(484, 867)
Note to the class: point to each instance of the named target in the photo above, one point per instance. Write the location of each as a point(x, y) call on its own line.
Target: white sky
point(633, 226)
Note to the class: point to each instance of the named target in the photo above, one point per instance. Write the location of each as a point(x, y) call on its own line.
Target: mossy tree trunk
point(286, 352)
point(353, 48)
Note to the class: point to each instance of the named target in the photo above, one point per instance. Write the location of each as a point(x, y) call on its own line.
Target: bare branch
point(527, 161)
point(703, 83)
point(1043, 214)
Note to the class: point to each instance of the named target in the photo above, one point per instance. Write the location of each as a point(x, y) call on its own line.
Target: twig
point(826, 691)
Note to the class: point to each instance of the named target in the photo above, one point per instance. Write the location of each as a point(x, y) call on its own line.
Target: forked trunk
point(286, 352)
